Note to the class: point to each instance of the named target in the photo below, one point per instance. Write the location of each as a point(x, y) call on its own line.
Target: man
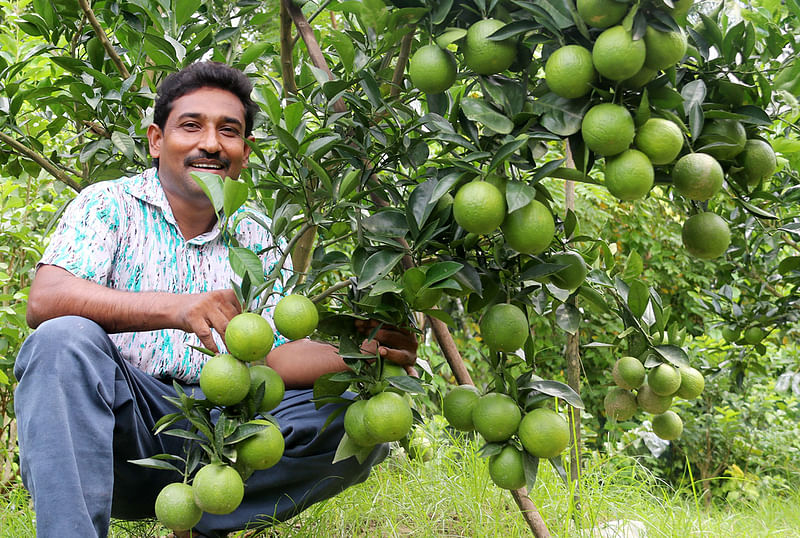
point(137, 272)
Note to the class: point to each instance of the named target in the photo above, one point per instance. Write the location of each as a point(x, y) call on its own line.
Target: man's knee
point(57, 340)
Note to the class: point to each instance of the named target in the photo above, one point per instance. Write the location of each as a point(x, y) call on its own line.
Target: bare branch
point(101, 35)
point(42, 161)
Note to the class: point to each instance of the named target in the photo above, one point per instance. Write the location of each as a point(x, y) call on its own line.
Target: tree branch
point(101, 35)
point(314, 50)
point(287, 46)
point(402, 60)
point(42, 161)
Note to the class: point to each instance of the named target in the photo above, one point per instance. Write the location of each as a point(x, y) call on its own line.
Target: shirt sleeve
point(86, 238)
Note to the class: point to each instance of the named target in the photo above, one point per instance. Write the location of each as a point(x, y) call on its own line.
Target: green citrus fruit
point(413, 280)
point(218, 489)
point(388, 417)
point(569, 71)
point(529, 229)
point(730, 334)
point(706, 235)
point(496, 417)
point(544, 433)
point(668, 425)
point(616, 55)
point(661, 140)
point(262, 450)
point(354, 425)
point(664, 49)
point(484, 56)
point(629, 175)
point(295, 317)
point(692, 383)
point(274, 387)
point(664, 379)
point(754, 335)
point(619, 404)
point(640, 79)
point(248, 337)
point(432, 69)
point(504, 327)
point(175, 507)
point(571, 276)
point(225, 380)
point(457, 406)
point(651, 402)
point(628, 373)
point(722, 139)
point(608, 129)
point(479, 207)
point(602, 13)
point(758, 161)
point(697, 176)
point(507, 469)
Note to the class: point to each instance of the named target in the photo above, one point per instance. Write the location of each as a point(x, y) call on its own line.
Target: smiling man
point(135, 274)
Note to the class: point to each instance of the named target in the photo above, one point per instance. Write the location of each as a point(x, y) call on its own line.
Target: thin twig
point(42, 161)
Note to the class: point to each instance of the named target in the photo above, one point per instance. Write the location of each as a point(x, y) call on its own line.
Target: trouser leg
point(305, 474)
point(78, 405)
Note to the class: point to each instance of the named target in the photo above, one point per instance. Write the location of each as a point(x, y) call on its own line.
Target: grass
point(453, 496)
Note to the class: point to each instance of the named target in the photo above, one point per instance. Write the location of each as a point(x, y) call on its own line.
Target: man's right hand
point(203, 312)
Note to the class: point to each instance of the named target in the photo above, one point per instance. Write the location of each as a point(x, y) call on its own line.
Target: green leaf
point(378, 266)
point(406, 383)
point(441, 271)
point(212, 185)
point(560, 116)
point(154, 463)
point(388, 223)
point(787, 265)
point(638, 297)
point(633, 266)
point(124, 143)
point(348, 449)
point(286, 138)
point(243, 260)
point(557, 390)
point(234, 195)
point(320, 172)
point(442, 316)
point(477, 110)
point(568, 318)
point(505, 151)
point(253, 52)
point(185, 434)
point(531, 465)
point(450, 36)
point(518, 195)
point(673, 354)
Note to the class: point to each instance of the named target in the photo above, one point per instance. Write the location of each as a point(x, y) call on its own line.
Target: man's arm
point(301, 362)
point(57, 292)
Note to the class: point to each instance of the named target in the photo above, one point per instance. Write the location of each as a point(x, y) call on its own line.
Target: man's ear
point(246, 155)
point(154, 138)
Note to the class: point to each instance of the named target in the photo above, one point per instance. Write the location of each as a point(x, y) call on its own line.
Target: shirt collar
point(147, 188)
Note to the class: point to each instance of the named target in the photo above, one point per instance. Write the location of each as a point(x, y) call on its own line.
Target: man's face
point(203, 133)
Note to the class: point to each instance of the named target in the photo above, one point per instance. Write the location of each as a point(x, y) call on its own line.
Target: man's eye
point(230, 131)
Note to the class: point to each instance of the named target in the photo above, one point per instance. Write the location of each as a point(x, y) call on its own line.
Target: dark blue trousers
point(83, 412)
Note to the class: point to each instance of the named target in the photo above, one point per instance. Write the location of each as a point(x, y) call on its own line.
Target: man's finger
point(398, 356)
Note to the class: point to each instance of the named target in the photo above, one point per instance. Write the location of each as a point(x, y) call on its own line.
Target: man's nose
point(210, 141)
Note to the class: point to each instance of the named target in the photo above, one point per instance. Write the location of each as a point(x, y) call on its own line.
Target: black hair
point(204, 75)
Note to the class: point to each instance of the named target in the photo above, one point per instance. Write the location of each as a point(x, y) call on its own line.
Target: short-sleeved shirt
point(122, 234)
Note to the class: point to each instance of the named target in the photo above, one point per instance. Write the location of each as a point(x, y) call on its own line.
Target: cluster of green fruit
point(228, 380)
point(384, 417)
point(540, 431)
point(663, 383)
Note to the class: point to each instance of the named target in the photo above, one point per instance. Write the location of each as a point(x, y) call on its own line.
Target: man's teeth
point(208, 166)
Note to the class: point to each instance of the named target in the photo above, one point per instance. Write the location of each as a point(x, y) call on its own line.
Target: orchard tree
point(421, 159)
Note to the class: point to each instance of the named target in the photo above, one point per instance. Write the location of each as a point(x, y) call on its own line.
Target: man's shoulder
point(116, 187)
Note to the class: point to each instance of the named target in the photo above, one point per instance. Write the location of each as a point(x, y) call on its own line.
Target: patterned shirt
point(122, 234)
